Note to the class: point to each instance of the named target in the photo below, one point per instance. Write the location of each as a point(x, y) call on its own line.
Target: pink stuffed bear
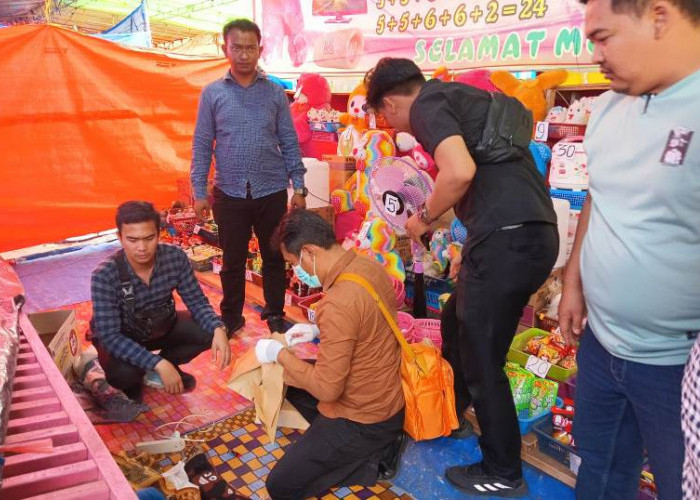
point(409, 146)
point(313, 93)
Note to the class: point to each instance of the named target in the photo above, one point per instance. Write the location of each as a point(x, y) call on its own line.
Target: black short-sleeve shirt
point(501, 194)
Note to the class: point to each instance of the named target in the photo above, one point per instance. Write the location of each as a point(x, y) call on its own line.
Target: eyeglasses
point(240, 49)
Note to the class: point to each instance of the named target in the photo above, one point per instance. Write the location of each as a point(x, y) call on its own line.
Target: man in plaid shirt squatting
point(134, 310)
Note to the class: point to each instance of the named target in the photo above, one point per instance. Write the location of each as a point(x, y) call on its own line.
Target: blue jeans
point(622, 408)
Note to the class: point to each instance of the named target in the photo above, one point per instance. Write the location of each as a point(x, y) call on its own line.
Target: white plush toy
point(556, 115)
point(576, 114)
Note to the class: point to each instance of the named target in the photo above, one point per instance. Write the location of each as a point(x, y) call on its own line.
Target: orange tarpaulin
point(86, 124)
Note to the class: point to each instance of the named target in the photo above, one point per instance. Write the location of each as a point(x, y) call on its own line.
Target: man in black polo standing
point(244, 120)
point(480, 145)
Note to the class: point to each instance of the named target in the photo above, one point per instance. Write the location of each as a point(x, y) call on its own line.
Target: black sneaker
point(276, 324)
point(390, 462)
point(472, 480)
point(464, 431)
point(188, 381)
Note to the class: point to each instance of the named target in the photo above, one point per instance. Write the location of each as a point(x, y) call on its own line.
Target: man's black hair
point(392, 76)
point(302, 227)
point(133, 212)
point(690, 8)
point(242, 24)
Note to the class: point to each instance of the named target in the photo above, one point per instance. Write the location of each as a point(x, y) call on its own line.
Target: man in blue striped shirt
point(244, 120)
point(134, 311)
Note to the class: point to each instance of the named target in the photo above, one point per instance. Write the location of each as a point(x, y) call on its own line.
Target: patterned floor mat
point(211, 399)
point(243, 456)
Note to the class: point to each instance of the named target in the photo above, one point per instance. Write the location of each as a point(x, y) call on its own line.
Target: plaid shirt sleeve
point(289, 142)
point(202, 147)
point(106, 321)
point(193, 297)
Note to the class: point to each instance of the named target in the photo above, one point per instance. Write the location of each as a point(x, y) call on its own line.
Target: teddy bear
point(371, 146)
point(530, 92)
point(357, 115)
point(313, 96)
point(377, 240)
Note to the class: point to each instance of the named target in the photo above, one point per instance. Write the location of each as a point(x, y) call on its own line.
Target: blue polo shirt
point(640, 260)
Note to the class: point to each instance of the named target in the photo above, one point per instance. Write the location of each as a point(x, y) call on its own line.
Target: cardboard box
point(341, 169)
point(58, 333)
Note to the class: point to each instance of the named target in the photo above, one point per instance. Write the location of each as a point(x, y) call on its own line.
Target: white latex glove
point(267, 350)
point(301, 332)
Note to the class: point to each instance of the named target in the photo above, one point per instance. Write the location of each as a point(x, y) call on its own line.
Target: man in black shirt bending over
point(479, 142)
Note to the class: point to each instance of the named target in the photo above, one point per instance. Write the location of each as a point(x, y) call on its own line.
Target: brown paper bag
point(264, 385)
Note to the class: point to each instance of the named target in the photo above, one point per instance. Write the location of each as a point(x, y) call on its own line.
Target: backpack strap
point(405, 347)
point(127, 287)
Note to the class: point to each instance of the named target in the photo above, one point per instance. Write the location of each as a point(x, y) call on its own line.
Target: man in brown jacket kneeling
point(352, 395)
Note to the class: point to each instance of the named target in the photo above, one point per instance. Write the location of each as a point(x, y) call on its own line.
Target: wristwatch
point(423, 215)
point(303, 191)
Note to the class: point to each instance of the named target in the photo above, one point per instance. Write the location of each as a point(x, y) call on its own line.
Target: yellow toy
point(530, 92)
point(357, 109)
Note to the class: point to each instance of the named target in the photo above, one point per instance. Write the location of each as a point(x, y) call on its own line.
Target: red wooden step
point(96, 490)
point(31, 462)
point(36, 407)
point(36, 422)
point(28, 369)
point(60, 435)
point(49, 480)
point(32, 394)
point(29, 381)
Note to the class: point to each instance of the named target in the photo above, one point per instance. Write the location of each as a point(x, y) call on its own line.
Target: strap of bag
point(126, 285)
point(411, 356)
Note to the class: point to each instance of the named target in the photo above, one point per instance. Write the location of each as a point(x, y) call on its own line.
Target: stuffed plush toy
point(479, 78)
point(557, 114)
point(529, 92)
point(409, 146)
point(314, 94)
point(357, 109)
point(378, 241)
point(439, 243)
point(373, 144)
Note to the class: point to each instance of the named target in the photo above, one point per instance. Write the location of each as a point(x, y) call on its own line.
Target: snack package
point(562, 422)
point(521, 382)
point(551, 352)
point(544, 396)
point(534, 344)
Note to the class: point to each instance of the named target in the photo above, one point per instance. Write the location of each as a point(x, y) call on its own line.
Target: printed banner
point(352, 35)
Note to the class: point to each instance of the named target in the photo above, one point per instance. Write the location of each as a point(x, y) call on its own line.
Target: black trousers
point(236, 217)
point(332, 452)
point(496, 280)
point(181, 345)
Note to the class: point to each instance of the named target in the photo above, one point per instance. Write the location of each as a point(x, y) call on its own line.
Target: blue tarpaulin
point(134, 30)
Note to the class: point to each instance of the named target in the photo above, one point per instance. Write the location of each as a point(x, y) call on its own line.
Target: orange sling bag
point(426, 378)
